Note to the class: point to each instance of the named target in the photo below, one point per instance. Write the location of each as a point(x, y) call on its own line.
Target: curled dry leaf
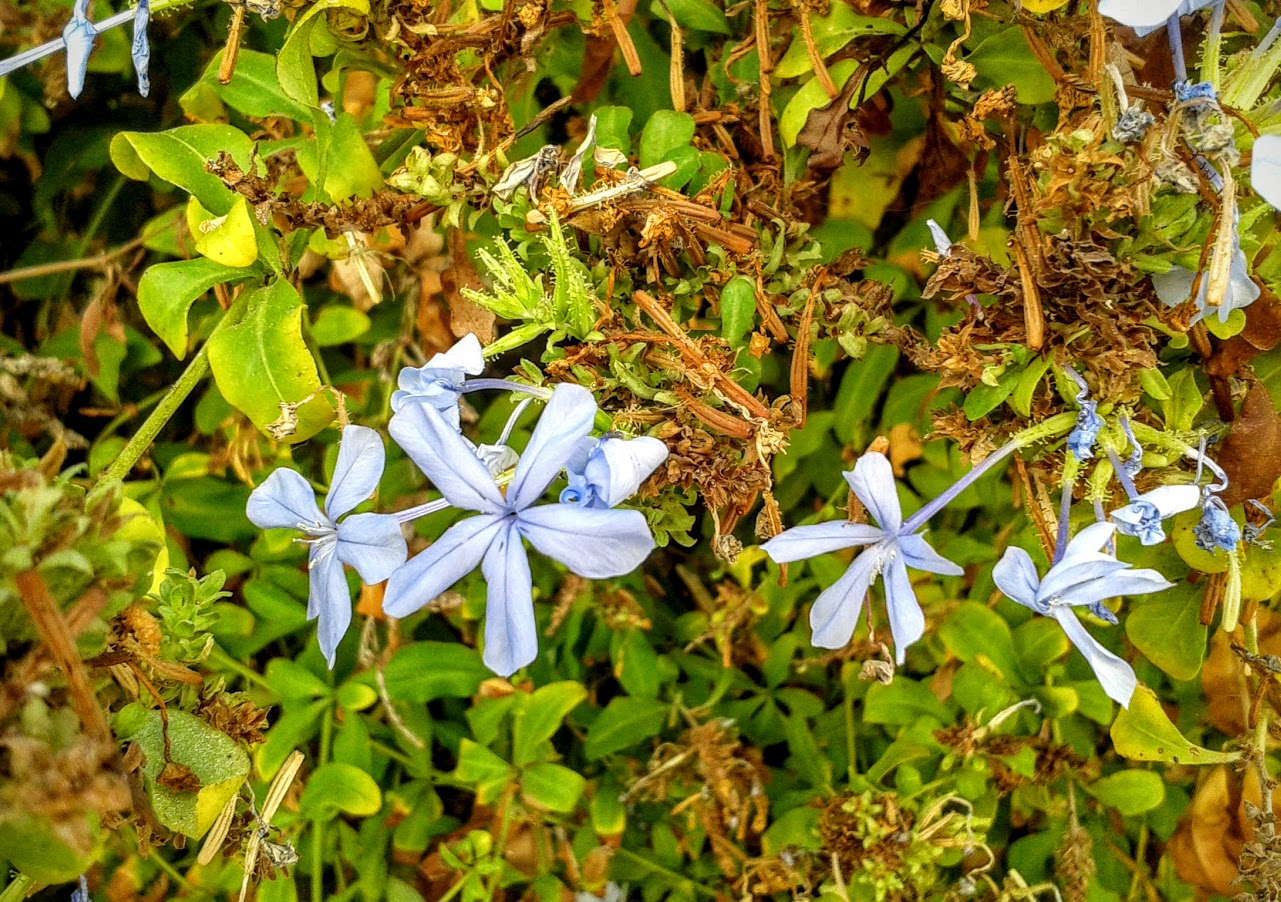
point(1251, 453)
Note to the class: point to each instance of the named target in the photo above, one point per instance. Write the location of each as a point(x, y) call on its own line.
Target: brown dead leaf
point(1223, 680)
point(464, 315)
point(1251, 453)
point(833, 129)
point(1207, 845)
point(178, 777)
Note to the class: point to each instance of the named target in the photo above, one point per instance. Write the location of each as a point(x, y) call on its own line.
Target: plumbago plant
point(544, 450)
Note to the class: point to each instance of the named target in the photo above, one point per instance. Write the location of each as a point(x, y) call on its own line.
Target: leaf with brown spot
point(1251, 454)
point(465, 315)
point(178, 777)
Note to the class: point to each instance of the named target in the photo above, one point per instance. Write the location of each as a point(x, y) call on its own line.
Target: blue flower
point(1082, 578)
point(371, 543)
point(81, 894)
point(1216, 528)
point(141, 50)
point(438, 383)
point(1146, 16)
point(78, 38)
point(607, 471)
point(891, 549)
point(1143, 515)
point(592, 543)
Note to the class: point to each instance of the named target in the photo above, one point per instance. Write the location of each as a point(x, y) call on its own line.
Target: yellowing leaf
point(229, 239)
point(1043, 6)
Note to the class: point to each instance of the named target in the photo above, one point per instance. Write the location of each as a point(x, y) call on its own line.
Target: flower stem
point(1121, 476)
point(1065, 511)
point(1174, 30)
point(168, 406)
point(537, 391)
point(1055, 425)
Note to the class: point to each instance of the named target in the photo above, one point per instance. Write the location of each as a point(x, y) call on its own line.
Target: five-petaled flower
point(1083, 577)
point(591, 542)
point(893, 547)
point(439, 381)
point(371, 543)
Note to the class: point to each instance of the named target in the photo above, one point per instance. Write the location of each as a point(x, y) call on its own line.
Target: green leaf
point(624, 722)
point(166, 292)
point(538, 719)
point(701, 15)
point(984, 398)
point(1144, 733)
point(636, 664)
point(860, 389)
point(480, 767)
point(231, 239)
point(1154, 384)
point(831, 32)
point(902, 702)
point(179, 155)
point(352, 170)
point(335, 789)
point(1021, 398)
point(425, 671)
point(665, 132)
point(295, 71)
point(1185, 401)
point(216, 760)
point(1167, 629)
point(738, 310)
point(805, 756)
point(1006, 59)
point(812, 97)
point(552, 786)
point(1130, 792)
point(255, 90)
point(1038, 642)
point(976, 633)
point(338, 325)
point(292, 680)
point(262, 361)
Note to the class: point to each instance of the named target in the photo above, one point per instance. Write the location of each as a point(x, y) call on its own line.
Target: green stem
point(17, 888)
point(318, 826)
point(500, 848)
point(219, 658)
point(168, 406)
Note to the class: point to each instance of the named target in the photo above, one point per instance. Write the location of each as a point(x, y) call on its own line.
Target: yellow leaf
point(229, 239)
point(1043, 6)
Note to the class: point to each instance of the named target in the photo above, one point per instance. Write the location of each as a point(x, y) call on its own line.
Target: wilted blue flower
point(1143, 515)
point(1083, 577)
point(78, 37)
point(1190, 92)
point(1081, 439)
point(371, 543)
point(607, 471)
point(141, 49)
point(439, 381)
point(1216, 528)
point(942, 243)
point(592, 543)
point(1146, 16)
point(892, 549)
point(1175, 287)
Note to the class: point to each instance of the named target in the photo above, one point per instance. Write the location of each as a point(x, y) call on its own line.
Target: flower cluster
point(582, 530)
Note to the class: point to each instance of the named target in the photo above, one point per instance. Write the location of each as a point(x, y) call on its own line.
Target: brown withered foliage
point(1251, 452)
point(718, 784)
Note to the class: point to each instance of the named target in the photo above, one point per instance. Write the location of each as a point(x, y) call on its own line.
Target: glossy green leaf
point(179, 155)
point(738, 310)
point(976, 633)
point(1130, 792)
point(262, 361)
point(538, 719)
point(426, 670)
point(334, 789)
point(624, 722)
point(166, 292)
point(1167, 628)
point(552, 786)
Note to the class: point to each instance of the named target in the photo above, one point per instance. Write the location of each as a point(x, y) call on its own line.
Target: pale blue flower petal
point(873, 482)
point(329, 601)
point(1265, 169)
point(801, 542)
point(511, 635)
point(283, 500)
point(1146, 16)
point(907, 622)
point(1174, 286)
point(592, 543)
point(438, 383)
point(942, 243)
point(566, 419)
point(1016, 576)
point(1173, 499)
point(1063, 581)
point(1141, 519)
point(1085, 545)
point(918, 555)
point(1129, 582)
point(1088, 423)
point(446, 458)
point(373, 544)
point(836, 611)
point(443, 563)
point(78, 37)
point(1114, 675)
point(617, 466)
point(361, 459)
point(141, 50)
